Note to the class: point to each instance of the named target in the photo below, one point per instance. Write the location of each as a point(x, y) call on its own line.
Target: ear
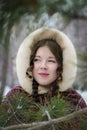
point(29, 73)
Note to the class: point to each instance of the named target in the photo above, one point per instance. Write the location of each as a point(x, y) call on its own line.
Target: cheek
point(35, 66)
point(34, 70)
point(55, 75)
point(54, 69)
point(54, 72)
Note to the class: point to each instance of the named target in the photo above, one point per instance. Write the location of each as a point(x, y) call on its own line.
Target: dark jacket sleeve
point(11, 95)
point(75, 98)
point(14, 90)
point(79, 103)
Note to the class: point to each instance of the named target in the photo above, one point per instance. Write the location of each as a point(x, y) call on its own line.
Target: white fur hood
point(69, 58)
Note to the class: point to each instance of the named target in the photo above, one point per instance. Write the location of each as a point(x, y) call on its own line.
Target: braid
point(35, 90)
point(54, 88)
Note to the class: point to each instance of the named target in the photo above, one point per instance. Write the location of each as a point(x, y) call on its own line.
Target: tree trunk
point(6, 46)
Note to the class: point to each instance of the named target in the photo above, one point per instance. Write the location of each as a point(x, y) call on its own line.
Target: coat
point(70, 95)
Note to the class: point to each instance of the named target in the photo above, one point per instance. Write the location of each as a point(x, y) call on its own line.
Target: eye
point(52, 61)
point(36, 60)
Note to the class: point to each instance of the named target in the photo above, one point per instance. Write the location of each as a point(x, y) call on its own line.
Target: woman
point(46, 66)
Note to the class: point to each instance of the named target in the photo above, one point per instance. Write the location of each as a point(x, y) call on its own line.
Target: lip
point(43, 74)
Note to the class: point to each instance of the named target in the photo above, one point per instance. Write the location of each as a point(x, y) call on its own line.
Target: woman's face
point(45, 66)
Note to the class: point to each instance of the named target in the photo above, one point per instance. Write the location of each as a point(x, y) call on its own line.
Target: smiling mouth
point(43, 74)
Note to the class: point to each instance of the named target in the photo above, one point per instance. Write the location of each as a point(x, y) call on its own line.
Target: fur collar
point(69, 58)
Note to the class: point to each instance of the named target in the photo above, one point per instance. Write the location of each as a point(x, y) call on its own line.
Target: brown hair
point(57, 52)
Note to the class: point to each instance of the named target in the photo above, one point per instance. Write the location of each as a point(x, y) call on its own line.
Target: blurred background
point(20, 17)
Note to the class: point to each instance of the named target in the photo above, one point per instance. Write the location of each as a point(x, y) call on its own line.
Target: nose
point(43, 65)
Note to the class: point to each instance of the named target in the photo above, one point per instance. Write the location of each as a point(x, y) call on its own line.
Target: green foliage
point(21, 109)
point(70, 8)
point(83, 124)
point(57, 108)
point(13, 10)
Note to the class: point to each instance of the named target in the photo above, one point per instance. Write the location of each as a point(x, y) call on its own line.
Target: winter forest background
point(20, 17)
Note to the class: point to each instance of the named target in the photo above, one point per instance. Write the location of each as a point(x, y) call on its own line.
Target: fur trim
point(69, 58)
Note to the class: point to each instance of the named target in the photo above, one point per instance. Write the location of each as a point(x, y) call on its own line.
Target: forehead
point(44, 51)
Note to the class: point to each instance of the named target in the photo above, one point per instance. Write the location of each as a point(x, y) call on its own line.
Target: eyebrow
point(37, 56)
point(50, 57)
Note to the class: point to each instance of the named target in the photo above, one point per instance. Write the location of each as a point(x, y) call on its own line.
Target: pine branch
point(49, 118)
point(45, 123)
point(14, 112)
